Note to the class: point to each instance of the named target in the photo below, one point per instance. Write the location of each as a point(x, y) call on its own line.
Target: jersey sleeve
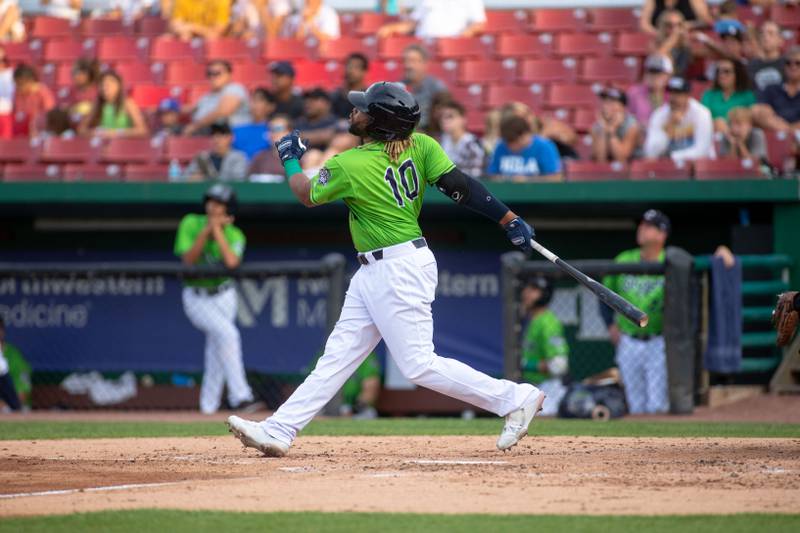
point(331, 183)
point(184, 239)
point(237, 242)
point(436, 162)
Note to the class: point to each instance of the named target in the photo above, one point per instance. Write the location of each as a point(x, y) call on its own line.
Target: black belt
point(211, 291)
point(377, 255)
point(643, 337)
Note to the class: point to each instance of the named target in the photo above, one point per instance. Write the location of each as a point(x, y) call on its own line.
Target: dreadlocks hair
point(394, 148)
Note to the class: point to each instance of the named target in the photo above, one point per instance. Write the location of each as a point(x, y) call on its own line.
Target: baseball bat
point(606, 295)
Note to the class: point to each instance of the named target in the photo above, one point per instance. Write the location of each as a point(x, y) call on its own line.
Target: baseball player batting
point(383, 182)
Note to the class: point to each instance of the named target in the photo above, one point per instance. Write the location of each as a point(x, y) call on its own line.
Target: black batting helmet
point(223, 194)
point(394, 111)
point(544, 285)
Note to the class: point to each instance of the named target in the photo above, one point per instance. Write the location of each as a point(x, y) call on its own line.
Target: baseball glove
point(785, 318)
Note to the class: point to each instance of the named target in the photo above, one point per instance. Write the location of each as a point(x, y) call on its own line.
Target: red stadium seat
point(135, 72)
point(250, 74)
point(31, 172)
point(149, 96)
point(23, 52)
point(554, 20)
point(633, 44)
point(569, 95)
point(752, 15)
point(487, 71)
point(194, 94)
point(511, 21)
point(583, 44)
point(699, 87)
point(447, 71)
point(369, 23)
point(471, 97)
point(592, 171)
point(460, 48)
point(779, 149)
point(93, 27)
point(312, 74)
point(607, 69)
point(63, 76)
point(231, 49)
point(384, 71)
point(347, 24)
point(787, 16)
point(67, 50)
point(91, 172)
point(49, 27)
point(584, 119)
point(476, 122)
point(285, 50)
point(185, 73)
point(548, 70)
point(521, 45)
point(613, 19)
point(393, 47)
point(339, 49)
point(725, 169)
point(152, 26)
point(75, 150)
point(184, 149)
point(167, 48)
point(146, 172)
point(17, 150)
point(124, 150)
point(122, 48)
point(659, 169)
point(532, 96)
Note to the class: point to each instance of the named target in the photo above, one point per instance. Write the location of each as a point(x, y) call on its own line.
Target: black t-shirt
point(785, 106)
point(764, 73)
point(293, 107)
point(684, 6)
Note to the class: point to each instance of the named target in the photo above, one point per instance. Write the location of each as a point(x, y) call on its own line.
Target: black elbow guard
point(472, 194)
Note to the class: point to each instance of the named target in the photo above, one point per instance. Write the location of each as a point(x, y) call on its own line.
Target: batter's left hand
point(520, 234)
point(291, 147)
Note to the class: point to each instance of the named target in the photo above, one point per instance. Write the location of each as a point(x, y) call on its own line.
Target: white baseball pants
point(215, 315)
point(643, 365)
point(391, 298)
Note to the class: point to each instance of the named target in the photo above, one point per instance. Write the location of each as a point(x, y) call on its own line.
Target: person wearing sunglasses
point(227, 101)
point(672, 40)
point(778, 106)
point(731, 89)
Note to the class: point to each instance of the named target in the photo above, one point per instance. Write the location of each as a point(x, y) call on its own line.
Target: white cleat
point(517, 422)
point(252, 435)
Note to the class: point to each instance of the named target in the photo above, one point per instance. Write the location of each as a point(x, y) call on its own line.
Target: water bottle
point(174, 173)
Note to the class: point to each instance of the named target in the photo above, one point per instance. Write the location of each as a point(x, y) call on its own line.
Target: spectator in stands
point(273, 16)
point(731, 89)
point(11, 27)
point(491, 131)
point(254, 137)
point(523, 156)
point(15, 375)
point(287, 100)
point(681, 129)
point(127, 10)
point(356, 67)
point(766, 68)
point(113, 114)
point(222, 162)
point(438, 103)
point(432, 19)
point(246, 19)
point(559, 132)
point(778, 106)
point(266, 165)
point(672, 41)
point(169, 118)
point(58, 123)
point(462, 147)
point(696, 12)
point(731, 45)
point(422, 85)
point(616, 136)
point(644, 97)
point(83, 92)
point(316, 19)
point(208, 19)
point(6, 96)
point(227, 101)
point(32, 100)
point(742, 140)
point(317, 126)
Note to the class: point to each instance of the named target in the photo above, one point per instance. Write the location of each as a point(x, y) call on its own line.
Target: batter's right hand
point(520, 234)
point(291, 147)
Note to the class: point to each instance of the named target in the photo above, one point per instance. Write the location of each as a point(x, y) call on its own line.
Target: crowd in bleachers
point(200, 89)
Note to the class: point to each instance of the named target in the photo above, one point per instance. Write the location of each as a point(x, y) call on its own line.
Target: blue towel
point(724, 351)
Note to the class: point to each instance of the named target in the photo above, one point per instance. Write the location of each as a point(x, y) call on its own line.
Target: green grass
point(213, 521)
point(36, 430)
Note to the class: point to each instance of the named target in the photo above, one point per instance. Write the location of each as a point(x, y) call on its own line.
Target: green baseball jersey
point(190, 227)
point(384, 196)
point(19, 369)
point(544, 340)
point(645, 292)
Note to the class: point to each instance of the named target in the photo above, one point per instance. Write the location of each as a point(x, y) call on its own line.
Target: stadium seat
point(17, 150)
point(368, 23)
point(347, 24)
point(44, 27)
point(384, 71)
point(75, 150)
point(554, 20)
point(584, 119)
point(393, 47)
point(476, 122)
point(91, 173)
point(633, 44)
point(752, 15)
point(285, 50)
point(506, 21)
point(124, 150)
point(460, 48)
point(151, 26)
point(339, 49)
point(135, 72)
point(31, 172)
point(447, 71)
point(592, 171)
point(787, 16)
point(471, 97)
point(146, 172)
point(725, 169)
point(194, 94)
point(779, 149)
point(548, 70)
point(24, 52)
point(250, 74)
point(122, 48)
point(659, 169)
point(487, 71)
point(532, 95)
point(569, 95)
point(522, 45)
point(699, 87)
point(185, 73)
point(582, 44)
point(316, 74)
point(167, 48)
point(149, 96)
point(183, 149)
point(67, 50)
point(63, 77)
point(613, 19)
point(231, 49)
point(608, 69)
point(96, 27)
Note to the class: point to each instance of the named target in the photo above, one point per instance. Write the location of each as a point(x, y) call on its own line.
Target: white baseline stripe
point(89, 489)
point(455, 462)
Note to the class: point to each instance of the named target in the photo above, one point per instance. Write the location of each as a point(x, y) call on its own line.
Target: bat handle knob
point(643, 321)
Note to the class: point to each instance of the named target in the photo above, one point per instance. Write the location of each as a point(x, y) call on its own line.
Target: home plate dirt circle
point(563, 475)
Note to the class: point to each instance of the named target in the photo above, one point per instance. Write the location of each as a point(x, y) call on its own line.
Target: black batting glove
point(520, 234)
point(291, 147)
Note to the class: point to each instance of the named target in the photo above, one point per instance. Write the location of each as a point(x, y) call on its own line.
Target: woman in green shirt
point(113, 113)
point(731, 89)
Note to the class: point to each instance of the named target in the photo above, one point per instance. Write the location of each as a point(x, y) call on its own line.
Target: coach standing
point(210, 303)
point(640, 352)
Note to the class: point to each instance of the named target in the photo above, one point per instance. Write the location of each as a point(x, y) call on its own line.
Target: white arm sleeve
point(657, 141)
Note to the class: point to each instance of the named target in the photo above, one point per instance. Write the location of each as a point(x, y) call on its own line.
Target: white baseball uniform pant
point(391, 299)
point(643, 365)
point(215, 315)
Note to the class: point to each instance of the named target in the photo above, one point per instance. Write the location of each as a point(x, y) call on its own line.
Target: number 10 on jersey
point(405, 178)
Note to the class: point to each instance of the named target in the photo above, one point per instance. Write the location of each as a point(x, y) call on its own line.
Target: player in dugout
point(15, 375)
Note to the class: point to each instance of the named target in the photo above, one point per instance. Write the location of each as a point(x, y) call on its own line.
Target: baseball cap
point(316, 92)
point(220, 128)
point(729, 28)
point(657, 63)
point(282, 67)
point(612, 93)
point(656, 218)
point(169, 104)
point(678, 85)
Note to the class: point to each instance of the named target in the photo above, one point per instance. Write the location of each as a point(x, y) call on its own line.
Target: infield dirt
point(560, 475)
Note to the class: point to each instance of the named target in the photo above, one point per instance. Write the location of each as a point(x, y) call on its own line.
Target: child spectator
point(462, 147)
point(355, 79)
point(169, 118)
point(254, 137)
point(731, 89)
point(523, 156)
point(616, 135)
point(6, 96)
point(83, 92)
point(32, 100)
point(227, 101)
point(767, 67)
point(287, 100)
point(113, 114)
point(208, 19)
point(644, 97)
point(221, 162)
point(58, 123)
point(742, 140)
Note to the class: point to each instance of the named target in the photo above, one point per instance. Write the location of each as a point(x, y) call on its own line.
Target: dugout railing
point(115, 334)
